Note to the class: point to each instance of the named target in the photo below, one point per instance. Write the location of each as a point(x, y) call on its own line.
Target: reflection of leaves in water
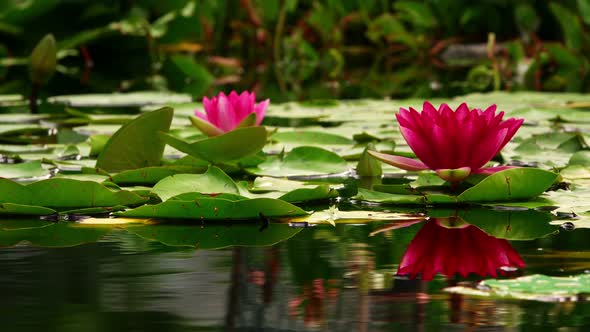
point(214, 236)
point(45, 234)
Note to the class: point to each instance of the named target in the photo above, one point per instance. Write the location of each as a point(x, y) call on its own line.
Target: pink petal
point(202, 116)
point(225, 111)
point(513, 125)
point(487, 149)
point(210, 107)
point(408, 164)
point(260, 110)
point(422, 148)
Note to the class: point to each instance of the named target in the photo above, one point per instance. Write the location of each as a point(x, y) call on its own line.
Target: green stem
point(33, 98)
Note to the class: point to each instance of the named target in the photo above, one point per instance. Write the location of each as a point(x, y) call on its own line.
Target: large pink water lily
point(226, 113)
point(458, 249)
point(452, 143)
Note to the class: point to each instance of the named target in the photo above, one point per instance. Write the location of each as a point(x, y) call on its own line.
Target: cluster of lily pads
point(155, 164)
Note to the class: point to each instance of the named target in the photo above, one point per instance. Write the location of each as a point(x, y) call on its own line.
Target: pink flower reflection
point(459, 250)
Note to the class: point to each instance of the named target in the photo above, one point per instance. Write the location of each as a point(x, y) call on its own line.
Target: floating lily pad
point(133, 99)
point(216, 209)
point(311, 138)
point(534, 287)
point(302, 161)
point(29, 169)
point(231, 146)
point(511, 184)
point(65, 193)
point(24, 210)
point(151, 175)
point(214, 181)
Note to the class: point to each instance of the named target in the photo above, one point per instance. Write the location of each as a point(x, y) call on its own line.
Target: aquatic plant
point(454, 144)
point(226, 113)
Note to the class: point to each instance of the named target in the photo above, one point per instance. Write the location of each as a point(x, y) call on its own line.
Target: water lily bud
point(43, 60)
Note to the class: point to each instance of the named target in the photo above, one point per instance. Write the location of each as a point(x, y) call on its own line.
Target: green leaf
point(367, 165)
point(137, 144)
point(133, 99)
point(231, 146)
point(214, 181)
point(511, 184)
point(97, 144)
point(570, 25)
point(310, 138)
point(216, 209)
point(386, 198)
point(580, 158)
point(27, 210)
point(584, 10)
point(320, 192)
point(302, 161)
point(215, 236)
point(535, 287)
point(418, 14)
point(65, 193)
point(151, 175)
point(200, 76)
point(29, 169)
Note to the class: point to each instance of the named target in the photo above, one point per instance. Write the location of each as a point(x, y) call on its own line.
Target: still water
point(321, 278)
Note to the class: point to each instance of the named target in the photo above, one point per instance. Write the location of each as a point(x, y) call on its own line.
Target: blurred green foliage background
point(300, 49)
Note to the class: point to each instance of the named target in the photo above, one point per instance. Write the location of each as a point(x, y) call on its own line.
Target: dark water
point(323, 278)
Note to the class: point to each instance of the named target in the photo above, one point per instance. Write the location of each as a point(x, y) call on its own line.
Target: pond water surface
point(327, 278)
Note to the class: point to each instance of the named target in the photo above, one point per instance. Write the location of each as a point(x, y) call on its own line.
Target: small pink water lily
point(452, 143)
point(226, 113)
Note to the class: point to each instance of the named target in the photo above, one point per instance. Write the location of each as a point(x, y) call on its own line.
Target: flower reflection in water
point(451, 246)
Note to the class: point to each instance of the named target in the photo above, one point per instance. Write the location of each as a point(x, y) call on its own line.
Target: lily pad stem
point(33, 98)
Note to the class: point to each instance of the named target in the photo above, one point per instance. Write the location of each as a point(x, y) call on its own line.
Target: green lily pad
point(133, 99)
point(24, 210)
point(320, 192)
point(231, 146)
point(214, 181)
point(311, 138)
point(535, 287)
point(509, 185)
point(301, 161)
point(136, 144)
point(215, 236)
point(29, 169)
point(216, 209)
point(65, 193)
point(387, 198)
point(151, 175)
